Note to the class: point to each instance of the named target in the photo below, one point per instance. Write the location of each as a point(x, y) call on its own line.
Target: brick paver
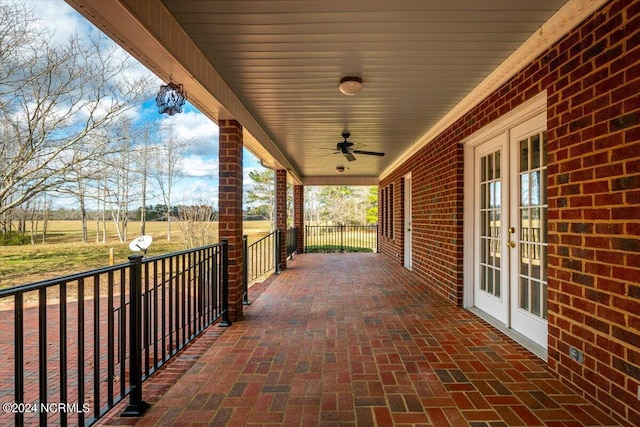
point(30, 344)
point(354, 339)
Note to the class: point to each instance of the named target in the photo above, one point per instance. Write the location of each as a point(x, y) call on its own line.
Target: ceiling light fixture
point(350, 85)
point(339, 169)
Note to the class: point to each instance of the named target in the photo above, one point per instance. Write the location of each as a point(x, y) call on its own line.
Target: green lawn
point(64, 253)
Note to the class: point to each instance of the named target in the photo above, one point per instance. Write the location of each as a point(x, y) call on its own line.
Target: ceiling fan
point(344, 147)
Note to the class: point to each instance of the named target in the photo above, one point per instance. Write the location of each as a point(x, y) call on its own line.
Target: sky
point(199, 180)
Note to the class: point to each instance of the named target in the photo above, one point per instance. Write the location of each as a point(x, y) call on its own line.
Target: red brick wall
point(281, 213)
point(592, 78)
point(594, 207)
point(298, 216)
point(437, 181)
point(230, 208)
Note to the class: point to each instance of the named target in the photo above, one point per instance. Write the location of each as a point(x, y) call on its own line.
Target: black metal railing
point(260, 258)
point(82, 343)
point(263, 256)
point(341, 238)
point(292, 236)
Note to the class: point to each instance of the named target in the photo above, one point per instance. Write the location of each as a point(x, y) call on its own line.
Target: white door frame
point(530, 109)
point(408, 221)
point(526, 111)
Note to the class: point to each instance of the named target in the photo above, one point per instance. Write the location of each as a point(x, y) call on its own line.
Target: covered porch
point(356, 339)
point(506, 131)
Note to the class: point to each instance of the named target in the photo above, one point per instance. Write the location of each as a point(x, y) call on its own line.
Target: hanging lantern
point(170, 99)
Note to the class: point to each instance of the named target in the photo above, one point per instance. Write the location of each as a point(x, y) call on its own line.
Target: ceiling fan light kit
point(345, 147)
point(350, 85)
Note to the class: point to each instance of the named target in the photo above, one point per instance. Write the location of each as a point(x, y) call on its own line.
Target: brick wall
point(298, 216)
point(594, 207)
point(592, 78)
point(230, 208)
point(437, 181)
point(281, 213)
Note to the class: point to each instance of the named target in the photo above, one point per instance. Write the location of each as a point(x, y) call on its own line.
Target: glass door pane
point(533, 229)
point(490, 212)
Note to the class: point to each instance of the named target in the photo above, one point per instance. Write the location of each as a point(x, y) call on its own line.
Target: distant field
point(64, 253)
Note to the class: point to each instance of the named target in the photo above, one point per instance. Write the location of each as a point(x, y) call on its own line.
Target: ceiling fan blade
point(349, 156)
point(328, 154)
point(368, 153)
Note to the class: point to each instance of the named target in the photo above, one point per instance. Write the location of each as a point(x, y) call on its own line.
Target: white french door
point(490, 252)
point(408, 218)
point(528, 143)
point(510, 228)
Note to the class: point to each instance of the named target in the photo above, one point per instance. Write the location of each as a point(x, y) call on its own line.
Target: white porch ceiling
point(283, 60)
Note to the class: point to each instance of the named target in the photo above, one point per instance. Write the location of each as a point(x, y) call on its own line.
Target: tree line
point(348, 205)
point(157, 212)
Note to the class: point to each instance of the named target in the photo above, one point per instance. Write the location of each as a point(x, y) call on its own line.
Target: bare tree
point(197, 225)
point(82, 181)
point(119, 178)
point(17, 30)
point(101, 210)
point(39, 210)
point(143, 160)
point(45, 219)
point(168, 168)
point(53, 99)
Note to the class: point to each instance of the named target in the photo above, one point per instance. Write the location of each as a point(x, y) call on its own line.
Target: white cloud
point(196, 128)
point(200, 166)
point(198, 191)
point(58, 18)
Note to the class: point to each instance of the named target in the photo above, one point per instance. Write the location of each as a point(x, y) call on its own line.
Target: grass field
point(64, 253)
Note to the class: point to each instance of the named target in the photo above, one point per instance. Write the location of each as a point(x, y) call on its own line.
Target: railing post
point(341, 237)
point(245, 272)
point(19, 354)
point(377, 240)
point(137, 406)
point(294, 241)
point(278, 254)
point(226, 322)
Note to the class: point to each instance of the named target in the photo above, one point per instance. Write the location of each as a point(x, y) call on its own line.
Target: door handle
point(511, 244)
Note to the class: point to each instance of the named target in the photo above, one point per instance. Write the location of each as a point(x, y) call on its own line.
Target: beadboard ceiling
point(283, 60)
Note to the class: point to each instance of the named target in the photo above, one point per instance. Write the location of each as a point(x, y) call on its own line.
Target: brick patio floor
point(355, 340)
